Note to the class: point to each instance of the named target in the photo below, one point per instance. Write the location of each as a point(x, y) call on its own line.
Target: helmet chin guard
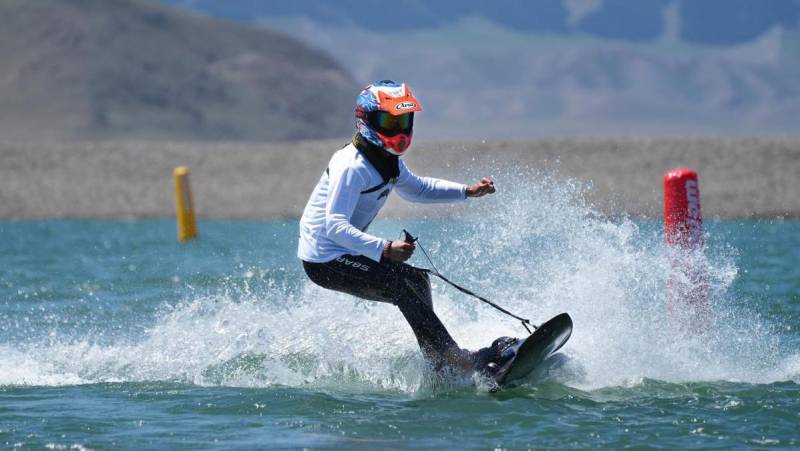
point(391, 99)
point(397, 144)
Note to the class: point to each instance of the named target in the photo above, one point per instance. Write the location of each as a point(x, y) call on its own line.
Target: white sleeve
point(344, 190)
point(414, 188)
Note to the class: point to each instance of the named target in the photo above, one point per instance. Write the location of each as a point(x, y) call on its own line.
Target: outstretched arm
point(414, 188)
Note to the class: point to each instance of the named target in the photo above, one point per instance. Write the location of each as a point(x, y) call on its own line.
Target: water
point(112, 335)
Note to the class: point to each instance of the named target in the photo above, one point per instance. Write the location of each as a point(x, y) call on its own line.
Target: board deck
point(535, 349)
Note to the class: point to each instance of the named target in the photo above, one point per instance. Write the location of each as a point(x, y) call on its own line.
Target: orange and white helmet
point(385, 115)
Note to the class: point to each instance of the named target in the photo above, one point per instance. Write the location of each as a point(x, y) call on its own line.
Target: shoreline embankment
point(740, 177)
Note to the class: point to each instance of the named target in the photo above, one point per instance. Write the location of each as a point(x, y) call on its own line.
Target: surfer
point(337, 251)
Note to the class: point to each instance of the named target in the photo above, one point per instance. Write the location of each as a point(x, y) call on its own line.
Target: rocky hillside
point(98, 69)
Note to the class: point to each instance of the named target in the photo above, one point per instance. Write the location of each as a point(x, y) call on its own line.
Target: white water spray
point(536, 251)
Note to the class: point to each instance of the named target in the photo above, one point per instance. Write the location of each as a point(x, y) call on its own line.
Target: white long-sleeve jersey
point(345, 201)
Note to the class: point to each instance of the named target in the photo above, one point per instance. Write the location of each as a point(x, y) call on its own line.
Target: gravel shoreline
point(739, 177)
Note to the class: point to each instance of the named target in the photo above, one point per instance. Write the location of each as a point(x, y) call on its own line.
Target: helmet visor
point(389, 124)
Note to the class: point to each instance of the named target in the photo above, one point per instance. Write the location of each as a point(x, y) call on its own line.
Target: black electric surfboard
point(532, 351)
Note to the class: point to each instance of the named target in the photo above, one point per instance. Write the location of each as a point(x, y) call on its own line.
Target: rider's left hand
point(482, 187)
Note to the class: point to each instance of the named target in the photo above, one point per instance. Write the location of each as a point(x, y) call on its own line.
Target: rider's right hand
point(398, 251)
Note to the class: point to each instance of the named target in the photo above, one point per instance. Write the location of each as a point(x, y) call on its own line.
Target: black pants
point(398, 283)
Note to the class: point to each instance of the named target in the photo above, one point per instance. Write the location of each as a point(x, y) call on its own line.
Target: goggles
point(390, 125)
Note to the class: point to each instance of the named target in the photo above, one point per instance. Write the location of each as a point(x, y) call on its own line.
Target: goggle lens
point(388, 123)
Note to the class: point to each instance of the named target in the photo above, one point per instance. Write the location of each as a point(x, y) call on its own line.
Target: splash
point(537, 251)
point(238, 340)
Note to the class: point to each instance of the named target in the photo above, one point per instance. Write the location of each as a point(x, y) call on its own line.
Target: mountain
point(476, 79)
point(715, 22)
point(516, 69)
point(88, 69)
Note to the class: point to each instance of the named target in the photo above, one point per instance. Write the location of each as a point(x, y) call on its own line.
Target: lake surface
point(113, 335)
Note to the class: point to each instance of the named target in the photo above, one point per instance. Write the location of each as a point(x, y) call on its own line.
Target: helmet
point(385, 115)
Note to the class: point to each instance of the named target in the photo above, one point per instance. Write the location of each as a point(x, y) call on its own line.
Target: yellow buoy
point(187, 228)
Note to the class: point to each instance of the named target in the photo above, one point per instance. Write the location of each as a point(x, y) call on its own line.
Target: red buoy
point(683, 232)
point(683, 218)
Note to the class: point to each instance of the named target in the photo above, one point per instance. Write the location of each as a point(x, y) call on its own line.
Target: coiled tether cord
point(433, 270)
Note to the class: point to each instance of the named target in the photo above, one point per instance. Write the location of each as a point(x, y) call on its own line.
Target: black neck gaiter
point(387, 165)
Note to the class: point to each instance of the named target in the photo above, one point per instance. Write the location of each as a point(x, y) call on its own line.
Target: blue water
point(113, 335)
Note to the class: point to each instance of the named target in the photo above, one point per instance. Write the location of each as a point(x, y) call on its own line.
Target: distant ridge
point(533, 68)
point(98, 69)
point(705, 22)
